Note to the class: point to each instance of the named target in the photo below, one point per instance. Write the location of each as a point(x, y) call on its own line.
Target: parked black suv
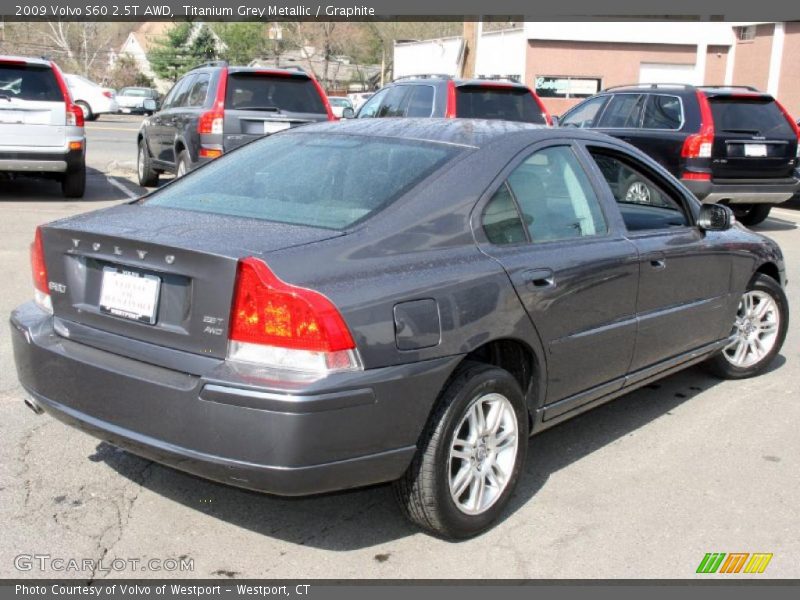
point(732, 145)
point(215, 108)
point(444, 96)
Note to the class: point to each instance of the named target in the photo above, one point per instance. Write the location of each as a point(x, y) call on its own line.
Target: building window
point(549, 86)
point(746, 33)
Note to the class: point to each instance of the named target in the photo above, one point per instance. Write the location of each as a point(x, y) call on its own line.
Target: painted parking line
point(786, 213)
point(123, 188)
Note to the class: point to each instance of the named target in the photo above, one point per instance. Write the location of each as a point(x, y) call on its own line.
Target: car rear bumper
point(42, 162)
point(747, 191)
point(356, 429)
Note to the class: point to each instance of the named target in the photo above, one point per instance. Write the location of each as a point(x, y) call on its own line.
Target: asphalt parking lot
point(641, 487)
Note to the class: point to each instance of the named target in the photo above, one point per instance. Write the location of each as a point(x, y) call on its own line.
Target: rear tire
point(148, 177)
point(751, 214)
point(760, 329)
point(73, 184)
point(184, 164)
point(469, 456)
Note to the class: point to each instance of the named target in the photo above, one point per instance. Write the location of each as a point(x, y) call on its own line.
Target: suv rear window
point(757, 116)
point(318, 180)
point(510, 104)
point(261, 91)
point(29, 82)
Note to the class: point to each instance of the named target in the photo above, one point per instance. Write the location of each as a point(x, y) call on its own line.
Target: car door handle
point(538, 279)
point(658, 264)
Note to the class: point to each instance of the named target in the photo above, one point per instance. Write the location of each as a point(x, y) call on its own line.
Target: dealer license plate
point(129, 295)
point(755, 149)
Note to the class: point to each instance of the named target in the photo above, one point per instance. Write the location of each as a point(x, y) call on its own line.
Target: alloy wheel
point(755, 329)
point(482, 453)
point(638, 193)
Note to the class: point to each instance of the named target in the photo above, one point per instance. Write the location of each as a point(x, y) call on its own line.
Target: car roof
point(676, 88)
point(458, 82)
point(473, 133)
point(27, 59)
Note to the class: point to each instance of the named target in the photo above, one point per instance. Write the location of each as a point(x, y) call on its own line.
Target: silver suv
point(41, 130)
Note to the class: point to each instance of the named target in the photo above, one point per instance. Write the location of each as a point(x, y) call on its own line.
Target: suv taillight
point(74, 113)
point(211, 121)
point(41, 291)
point(792, 124)
point(282, 326)
point(699, 145)
point(450, 110)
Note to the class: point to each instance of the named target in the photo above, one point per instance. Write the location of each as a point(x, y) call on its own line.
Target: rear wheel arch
point(769, 269)
point(521, 360)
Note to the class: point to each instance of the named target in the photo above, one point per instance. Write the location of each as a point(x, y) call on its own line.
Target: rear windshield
point(258, 91)
point(140, 92)
point(318, 180)
point(750, 116)
point(29, 82)
point(510, 104)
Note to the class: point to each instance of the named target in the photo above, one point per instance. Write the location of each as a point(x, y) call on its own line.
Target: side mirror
point(348, 113)
point(715, 217)
point(554, 119)
point(149, 105)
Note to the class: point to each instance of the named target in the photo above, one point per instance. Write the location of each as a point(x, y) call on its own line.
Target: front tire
point(470, 455)
point(751, 214)
point(759, 330)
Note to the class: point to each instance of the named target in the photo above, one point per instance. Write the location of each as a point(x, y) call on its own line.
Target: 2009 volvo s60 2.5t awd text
point(392, 300)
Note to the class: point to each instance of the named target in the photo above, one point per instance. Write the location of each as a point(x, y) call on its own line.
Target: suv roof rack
point(749, 88)
point(425, 76)
point(651, 86)
point(211, 63)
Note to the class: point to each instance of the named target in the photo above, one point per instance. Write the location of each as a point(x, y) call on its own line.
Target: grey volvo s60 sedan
point(388, 300)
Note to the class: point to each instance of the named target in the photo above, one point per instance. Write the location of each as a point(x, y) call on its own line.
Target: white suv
point(41, 129)
point(93, 99)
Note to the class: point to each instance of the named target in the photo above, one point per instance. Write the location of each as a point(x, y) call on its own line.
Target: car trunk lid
point(753, 137)
point(158, 275)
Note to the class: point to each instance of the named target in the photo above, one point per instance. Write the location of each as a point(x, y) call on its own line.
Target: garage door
point(666, 73)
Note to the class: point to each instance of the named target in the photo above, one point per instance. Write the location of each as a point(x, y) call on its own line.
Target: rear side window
point(29, 82)
point(509, 104)
point(623, 111)
point(318, 180)
point(754, 116)
point(421, 102)
point(197, 95)
point(182, 91)
point(260, 91)
point(662, 112)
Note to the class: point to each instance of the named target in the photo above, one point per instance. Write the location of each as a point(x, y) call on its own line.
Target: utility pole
point(470, 37)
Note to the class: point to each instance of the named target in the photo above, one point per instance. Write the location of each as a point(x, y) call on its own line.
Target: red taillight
point(699, 145)
point(269, 311)
point(696, 176)
point(74, 114)
point(450, 110)
point(792, 124)
point(108, 94)
point(211, 121)
point(545, 113)
point(39, 270)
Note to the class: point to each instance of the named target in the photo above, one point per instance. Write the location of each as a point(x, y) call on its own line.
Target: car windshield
point(343, 102)
point(758, 116)
point(255, 90)
point(29, 83)
point(485, 102)
point(319, 180)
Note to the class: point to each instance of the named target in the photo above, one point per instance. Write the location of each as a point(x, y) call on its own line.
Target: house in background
point(138, 44)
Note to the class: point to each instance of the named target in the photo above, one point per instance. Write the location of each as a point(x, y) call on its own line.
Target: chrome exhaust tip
point(31, 403)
